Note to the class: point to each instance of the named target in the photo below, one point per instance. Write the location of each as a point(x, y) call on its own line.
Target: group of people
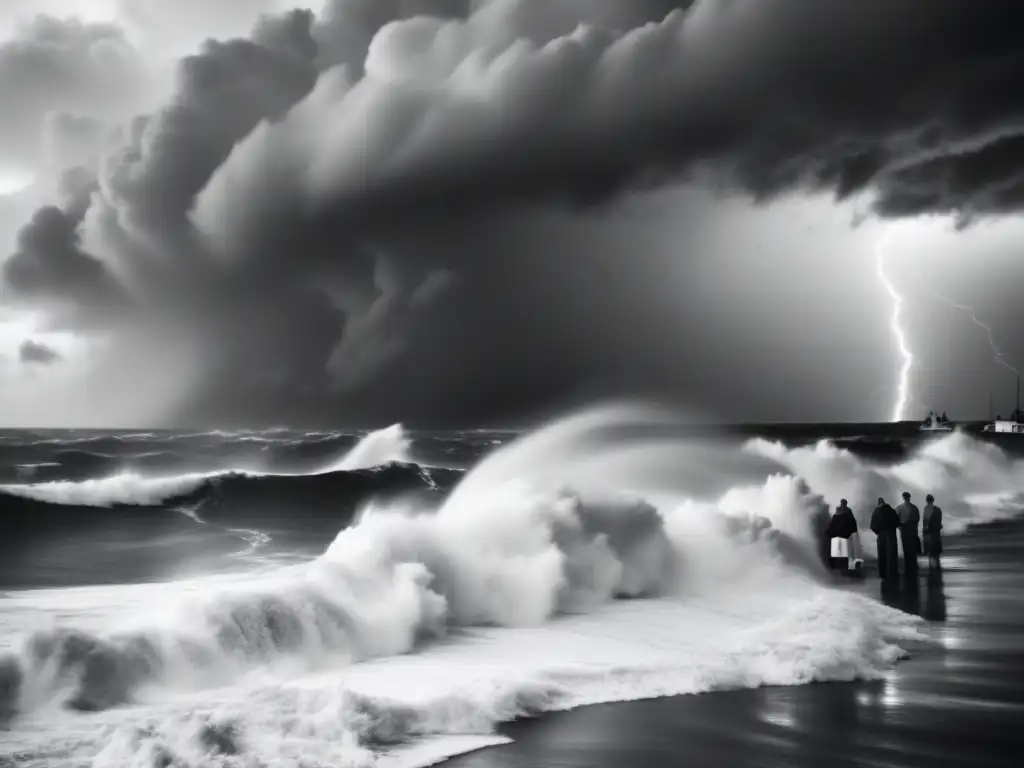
point(893, 528)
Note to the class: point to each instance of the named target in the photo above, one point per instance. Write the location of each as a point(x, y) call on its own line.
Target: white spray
point(521, 567)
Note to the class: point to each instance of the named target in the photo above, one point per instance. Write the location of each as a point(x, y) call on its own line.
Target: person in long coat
point(884, 524)
point(910, 519)
point(931, 525)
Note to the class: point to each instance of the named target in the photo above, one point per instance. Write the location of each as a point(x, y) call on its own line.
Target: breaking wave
point(384, 446)
point(972, 480)
point(230, 487)
point(27, 457)
point(598, 559)
point(378, 463)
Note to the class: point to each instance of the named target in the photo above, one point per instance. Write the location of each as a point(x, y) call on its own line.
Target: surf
point(201, 521)
point(972, 480)
point(600, 558)
point(378, 448)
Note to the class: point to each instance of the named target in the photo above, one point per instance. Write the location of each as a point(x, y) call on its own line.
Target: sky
point(461, 213)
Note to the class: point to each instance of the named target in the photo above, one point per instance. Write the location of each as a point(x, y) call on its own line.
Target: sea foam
point(576, 566)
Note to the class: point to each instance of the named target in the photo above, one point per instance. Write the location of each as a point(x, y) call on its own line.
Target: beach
point(958, 702)
point(297, 600)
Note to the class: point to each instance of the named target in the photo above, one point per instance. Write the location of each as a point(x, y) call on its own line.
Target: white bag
point(854, 553)
point(840, 547)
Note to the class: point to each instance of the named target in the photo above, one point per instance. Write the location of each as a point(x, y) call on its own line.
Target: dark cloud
point(148, 184)
point(32, 352)
point(771, 97)
point(985, 180)
point(379, 333)
point(122, 246)
point(50, 269)
point(63, 64)
point(383, 211)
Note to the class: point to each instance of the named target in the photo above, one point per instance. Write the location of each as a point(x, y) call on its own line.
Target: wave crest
point(973, 481)
point(589, 562)
point(377, 449)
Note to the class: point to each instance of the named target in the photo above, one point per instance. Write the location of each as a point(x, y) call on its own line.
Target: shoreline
point(957, 701)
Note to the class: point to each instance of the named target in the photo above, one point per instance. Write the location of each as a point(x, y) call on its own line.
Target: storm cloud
point(377, 206)
point(63, 64)
point(514, 105)
point(50, 269)
point(34, 353)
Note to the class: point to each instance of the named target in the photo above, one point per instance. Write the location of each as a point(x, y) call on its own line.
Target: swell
point(227, 497)
point(511, 548)
point(87, 458)
point(243, 498)
point(139, 524)
point(29, 458)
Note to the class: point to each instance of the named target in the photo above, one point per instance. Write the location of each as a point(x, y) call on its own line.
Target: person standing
point(842, 530)
point(931, 524)
point(910, 518)
point(884, 524)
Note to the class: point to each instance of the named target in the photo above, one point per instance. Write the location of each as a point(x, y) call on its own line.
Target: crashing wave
point(371, 466)
point(972, 480)
point(588, 562)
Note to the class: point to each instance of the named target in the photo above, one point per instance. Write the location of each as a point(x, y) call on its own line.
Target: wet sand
point(957, 703)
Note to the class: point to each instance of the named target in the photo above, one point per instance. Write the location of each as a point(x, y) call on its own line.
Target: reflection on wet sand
point(935, 598)
point(923, 594)
point(957, 702)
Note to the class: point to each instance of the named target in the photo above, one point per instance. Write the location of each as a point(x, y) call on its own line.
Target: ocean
point(396, 598)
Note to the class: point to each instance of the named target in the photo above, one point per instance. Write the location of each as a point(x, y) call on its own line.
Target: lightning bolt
point(999, 357)
point(906, 356)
